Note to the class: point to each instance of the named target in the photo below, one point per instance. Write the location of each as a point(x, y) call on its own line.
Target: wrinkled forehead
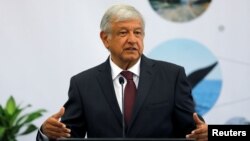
point(136, 20)
point(127, 23)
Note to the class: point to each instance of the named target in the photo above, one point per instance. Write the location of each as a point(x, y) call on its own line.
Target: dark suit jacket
point(163, 108)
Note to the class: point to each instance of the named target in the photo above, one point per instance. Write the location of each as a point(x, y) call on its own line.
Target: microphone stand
point(121, 81)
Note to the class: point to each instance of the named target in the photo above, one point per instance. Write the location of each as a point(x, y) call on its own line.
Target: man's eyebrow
point(137, 28)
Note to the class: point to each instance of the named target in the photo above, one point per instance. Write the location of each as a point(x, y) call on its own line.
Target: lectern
point(125, 139)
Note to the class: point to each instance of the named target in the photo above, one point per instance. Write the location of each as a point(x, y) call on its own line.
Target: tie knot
point(127, 74)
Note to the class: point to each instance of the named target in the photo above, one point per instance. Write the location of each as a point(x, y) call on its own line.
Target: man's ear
point(104, 37)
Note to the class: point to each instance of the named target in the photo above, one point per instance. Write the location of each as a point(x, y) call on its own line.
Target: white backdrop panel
point(44, 42)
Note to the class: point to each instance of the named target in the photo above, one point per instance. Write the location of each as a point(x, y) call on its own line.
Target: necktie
point(129, 96)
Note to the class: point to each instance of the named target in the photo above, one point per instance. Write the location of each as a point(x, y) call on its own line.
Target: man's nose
point(131, 38)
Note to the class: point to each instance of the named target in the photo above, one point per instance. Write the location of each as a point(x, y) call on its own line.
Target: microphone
point(121, 81)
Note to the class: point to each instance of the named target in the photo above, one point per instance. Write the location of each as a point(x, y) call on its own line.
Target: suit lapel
point(106, 83)
point(145, 81)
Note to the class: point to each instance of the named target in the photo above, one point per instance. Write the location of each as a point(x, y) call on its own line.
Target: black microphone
point(121, 81)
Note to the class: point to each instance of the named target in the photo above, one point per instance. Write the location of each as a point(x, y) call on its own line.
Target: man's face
point(125, 42)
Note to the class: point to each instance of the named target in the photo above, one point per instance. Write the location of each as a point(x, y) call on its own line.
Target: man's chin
point(131, 58)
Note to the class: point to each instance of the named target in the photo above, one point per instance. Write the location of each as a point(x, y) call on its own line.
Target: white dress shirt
point(115, 72)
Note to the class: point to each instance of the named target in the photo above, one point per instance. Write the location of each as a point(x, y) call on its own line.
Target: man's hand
point(53, 128)
point(201, 131)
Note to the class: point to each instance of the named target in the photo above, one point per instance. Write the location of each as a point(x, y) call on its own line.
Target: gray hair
point(120, 12)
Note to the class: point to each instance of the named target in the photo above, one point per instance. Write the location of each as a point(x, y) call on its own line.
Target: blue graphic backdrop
point(201, 66)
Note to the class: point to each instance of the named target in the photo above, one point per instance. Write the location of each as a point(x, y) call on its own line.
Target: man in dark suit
point(163, 106)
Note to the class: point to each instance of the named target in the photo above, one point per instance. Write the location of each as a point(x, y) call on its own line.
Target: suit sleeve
point(73, 116)
point(184, 106)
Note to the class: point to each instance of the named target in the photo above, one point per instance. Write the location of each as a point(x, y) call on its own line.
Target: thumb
point(59, 114)
point(197, 120)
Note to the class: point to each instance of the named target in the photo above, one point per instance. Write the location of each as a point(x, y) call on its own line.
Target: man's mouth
point(130, 49)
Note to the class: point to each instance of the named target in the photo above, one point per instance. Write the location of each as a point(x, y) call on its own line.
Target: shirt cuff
point(42, 137)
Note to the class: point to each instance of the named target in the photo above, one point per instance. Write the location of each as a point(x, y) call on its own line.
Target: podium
point(125, 139)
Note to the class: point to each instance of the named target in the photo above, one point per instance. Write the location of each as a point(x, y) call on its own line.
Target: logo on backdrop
point(201, 66)
point(180, 10)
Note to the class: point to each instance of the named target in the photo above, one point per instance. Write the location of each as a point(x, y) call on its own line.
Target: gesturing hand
point(53, 128)
point(201, 131)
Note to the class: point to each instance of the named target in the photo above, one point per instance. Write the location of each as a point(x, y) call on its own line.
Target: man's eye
point(137, 32)
point(122, 33)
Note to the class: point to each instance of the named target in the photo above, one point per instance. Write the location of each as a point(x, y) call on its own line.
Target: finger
point(56, 134)
point(50, 127)
point(198, 134)
point(54, 122)
point(202, 137)
point(197, 120)
point(202, 129)
point(59, 114)
point(191, 136)
point(53, 128)
point(55, 137)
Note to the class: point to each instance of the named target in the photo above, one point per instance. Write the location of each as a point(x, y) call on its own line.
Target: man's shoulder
point(164, 68)
point(160, 64)
point(91, 72)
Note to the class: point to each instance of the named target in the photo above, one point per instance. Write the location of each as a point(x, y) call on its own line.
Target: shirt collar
point(115, 70)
